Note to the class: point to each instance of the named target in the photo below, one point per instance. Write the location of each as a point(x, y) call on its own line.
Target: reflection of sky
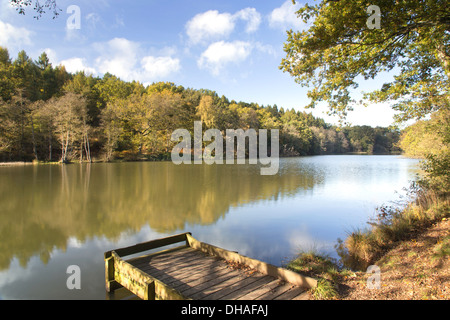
point(273, 230)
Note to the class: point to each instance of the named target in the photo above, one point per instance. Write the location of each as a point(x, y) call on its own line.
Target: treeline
point(49, 114)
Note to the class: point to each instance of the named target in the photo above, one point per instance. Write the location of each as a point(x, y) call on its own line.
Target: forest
point(48, 114)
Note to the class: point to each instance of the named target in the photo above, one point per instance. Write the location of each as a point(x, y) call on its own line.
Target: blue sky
point(231, 47)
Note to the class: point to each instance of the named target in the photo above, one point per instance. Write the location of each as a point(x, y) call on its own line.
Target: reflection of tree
point(43, 206)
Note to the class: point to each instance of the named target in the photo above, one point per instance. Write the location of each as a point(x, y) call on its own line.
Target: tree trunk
point(50, 147)
point(33, 138)
point(65, 146)
point(87, 148)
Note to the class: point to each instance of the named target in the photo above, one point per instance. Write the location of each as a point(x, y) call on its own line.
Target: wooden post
point(110, 283)
point(149, 293)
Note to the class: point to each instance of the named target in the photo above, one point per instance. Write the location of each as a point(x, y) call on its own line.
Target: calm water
point(55, 216)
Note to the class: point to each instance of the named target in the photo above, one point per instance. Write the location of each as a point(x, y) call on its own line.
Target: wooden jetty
point(197, 270)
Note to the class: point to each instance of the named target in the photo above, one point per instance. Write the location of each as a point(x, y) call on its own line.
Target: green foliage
point(338, 49)
point(323, 267)
point(430, 140)
point(325, 290)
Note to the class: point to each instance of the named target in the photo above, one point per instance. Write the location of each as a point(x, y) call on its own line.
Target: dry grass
point(411, 247)
point(416, 269)
point(363, 247)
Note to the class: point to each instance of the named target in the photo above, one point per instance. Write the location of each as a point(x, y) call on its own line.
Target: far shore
point(144, 159)
point(16, 163)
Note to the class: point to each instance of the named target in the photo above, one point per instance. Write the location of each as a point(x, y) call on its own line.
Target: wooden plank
point(189, 263)
point(260, 291)
point(193, 279)
point(233, 287)
point(161, 255)
point(248, 288)
point(185, 272)
point(180, 260)
point(206, 282)
point(198, 276)
point(218, 285)
point(275, 292)
point(164, 292)
point(153, 244)
point(262, 267)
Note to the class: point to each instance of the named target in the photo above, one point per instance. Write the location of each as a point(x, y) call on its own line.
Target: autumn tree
point(147, 119)
point(338, 48)
point(208, 112)
point(68, 115)
point(111, 129)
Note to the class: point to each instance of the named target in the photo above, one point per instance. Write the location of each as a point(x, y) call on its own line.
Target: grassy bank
point(410, 245)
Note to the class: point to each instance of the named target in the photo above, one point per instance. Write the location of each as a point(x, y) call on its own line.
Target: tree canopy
point(340, 46)
point(338, 49)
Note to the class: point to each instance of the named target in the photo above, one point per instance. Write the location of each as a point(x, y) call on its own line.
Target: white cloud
point(124, 59)
point(119, 57)
point(252, 17)
point(128, 61)
point(13, 37)
point(156, 67)
point(211, 25)
point(74, 65)
point(218, 54)
point(285, 17)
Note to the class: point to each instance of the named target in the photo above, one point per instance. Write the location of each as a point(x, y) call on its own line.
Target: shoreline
point(34, 162)
point(16, 163)
point(409, 263)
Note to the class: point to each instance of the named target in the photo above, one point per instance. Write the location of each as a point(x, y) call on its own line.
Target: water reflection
point(53, 216)
point(42, 207)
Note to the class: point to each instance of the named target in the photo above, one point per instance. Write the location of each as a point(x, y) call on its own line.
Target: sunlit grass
point(362, 248)
point(323, 267)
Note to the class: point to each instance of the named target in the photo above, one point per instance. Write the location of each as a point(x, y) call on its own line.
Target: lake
point(54, 216)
